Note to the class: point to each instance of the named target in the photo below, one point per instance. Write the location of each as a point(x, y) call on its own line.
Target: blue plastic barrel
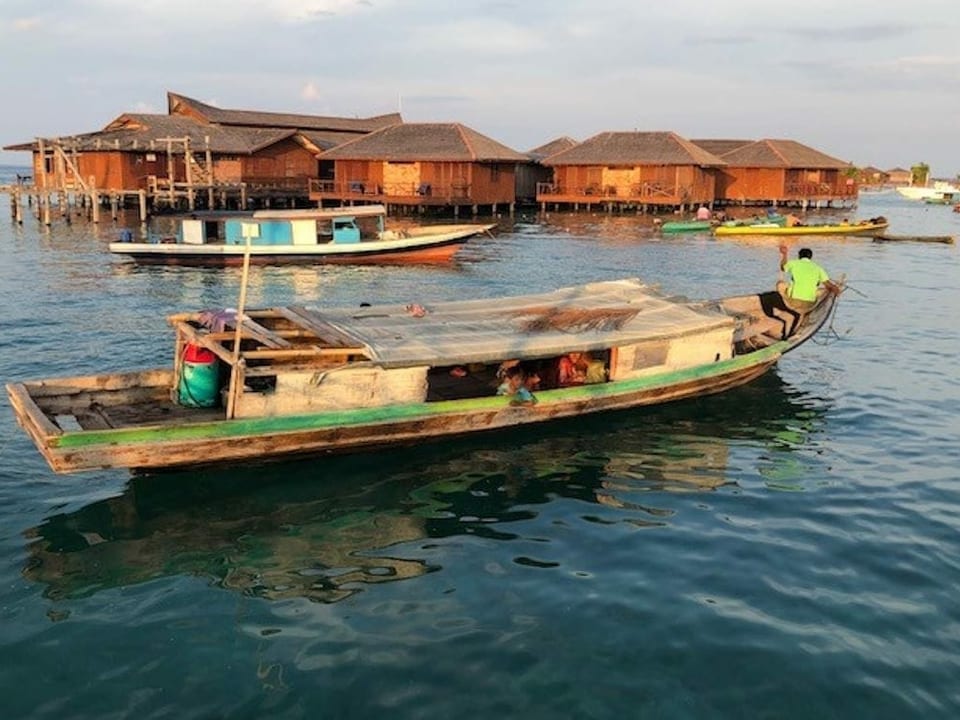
point(199, 384)
point(126, 235)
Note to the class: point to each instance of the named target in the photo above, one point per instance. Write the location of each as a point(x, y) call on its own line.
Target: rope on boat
point(833, 335)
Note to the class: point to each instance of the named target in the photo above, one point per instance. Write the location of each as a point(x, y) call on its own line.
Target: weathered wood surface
point(945, 239)
point(335, 437)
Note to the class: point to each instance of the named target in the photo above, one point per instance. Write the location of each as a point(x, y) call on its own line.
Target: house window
point(151, 157)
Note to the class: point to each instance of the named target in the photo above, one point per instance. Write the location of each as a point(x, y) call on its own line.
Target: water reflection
point(324, 530)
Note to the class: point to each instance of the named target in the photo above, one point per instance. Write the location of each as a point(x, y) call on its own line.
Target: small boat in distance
point(923, 192)
point(874, 226)
point(771, 219)
point(290, 381)
point(354, 235)
point(686, 226)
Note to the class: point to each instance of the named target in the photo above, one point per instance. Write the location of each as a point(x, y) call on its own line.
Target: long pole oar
point(236, 369)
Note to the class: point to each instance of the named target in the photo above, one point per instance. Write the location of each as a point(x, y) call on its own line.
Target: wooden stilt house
point(440, 165)
point(530, 175)
point(648, 169)
point(781, 172)
point(195, 148)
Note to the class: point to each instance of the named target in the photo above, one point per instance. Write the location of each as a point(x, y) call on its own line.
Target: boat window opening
point(261, 383)
point(212, 231)
point(459, 382)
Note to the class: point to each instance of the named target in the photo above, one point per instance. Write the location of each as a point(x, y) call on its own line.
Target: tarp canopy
point(588, 317)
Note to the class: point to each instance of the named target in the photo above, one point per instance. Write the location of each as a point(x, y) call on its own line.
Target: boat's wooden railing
point(284, 339)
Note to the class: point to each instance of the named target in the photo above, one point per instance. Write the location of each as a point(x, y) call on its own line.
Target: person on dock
point(806, 278)
point(703, 213)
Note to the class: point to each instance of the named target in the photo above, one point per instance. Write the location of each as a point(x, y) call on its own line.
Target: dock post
point(95, 205)
point(46, 209)
point(113, 206)
point(142, 197)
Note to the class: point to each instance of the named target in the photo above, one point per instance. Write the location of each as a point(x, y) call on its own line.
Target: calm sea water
point(790, 549)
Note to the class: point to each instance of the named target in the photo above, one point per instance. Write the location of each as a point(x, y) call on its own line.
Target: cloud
point(854, 33)
point(27, 23)
point(487, 37)
point(310, 91)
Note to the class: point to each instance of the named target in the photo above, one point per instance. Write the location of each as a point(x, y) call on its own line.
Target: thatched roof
point(145, 132)
point(782, 154)
point(720, 147)
point(635, 148)
point(182, 105)
point(437, 142)
point(551, 148)
point(588, 317)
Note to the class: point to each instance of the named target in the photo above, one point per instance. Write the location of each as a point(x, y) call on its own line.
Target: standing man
point(806, 278)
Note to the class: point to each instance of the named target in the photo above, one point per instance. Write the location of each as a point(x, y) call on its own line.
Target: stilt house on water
point(781, 172)
point(531, 174)
point(421, 165)
point(196, 155)
point(641, 169)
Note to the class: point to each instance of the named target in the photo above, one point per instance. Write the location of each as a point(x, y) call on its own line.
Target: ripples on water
point(787, 549)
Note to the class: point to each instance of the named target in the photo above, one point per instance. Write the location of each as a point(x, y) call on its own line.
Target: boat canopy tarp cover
point(588, 317)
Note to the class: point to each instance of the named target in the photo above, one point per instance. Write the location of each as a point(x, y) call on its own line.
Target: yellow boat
point(866, 227)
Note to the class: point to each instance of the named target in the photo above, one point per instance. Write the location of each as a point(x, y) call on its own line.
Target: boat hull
point(419, 248)
point(864, 229)
point(686, 227)
point(191, 444)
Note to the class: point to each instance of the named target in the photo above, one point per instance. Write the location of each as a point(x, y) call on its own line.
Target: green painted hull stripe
point(393, 413)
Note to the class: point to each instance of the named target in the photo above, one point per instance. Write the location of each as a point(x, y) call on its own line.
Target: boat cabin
point(293, 361)
point(285, 227)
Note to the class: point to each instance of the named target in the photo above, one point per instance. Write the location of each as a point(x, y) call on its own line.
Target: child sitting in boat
point(517, 386)
point(572, 369)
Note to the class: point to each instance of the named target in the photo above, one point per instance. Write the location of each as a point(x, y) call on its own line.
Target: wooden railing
point(802, 190)
point(647, 191)
point(361, 188)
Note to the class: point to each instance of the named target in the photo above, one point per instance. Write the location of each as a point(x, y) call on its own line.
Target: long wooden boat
point(353, 235)
point(686, 226)
point(943, 239)
point(861, 228)
point(290, 381)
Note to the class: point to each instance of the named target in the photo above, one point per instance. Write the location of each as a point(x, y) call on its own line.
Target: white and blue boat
point(355, 234)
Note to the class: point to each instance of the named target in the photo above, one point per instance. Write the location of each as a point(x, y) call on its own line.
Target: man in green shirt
point(806, 277)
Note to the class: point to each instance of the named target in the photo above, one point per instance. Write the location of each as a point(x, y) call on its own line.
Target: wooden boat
point(861, 228)
point(683, 226)
point(686, 226)
point(345, 235)
point(944, 239)
point(289, 381)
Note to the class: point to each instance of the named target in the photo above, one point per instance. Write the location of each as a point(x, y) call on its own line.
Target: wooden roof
point(143, 132)
point(586, 317)
point(438, 142)
point(781, 154)
point(181, 105)
point(551, 148)
point(635, 148)
point(719, 146)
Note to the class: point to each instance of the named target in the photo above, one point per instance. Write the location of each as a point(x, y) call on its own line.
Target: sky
point(871, 82)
